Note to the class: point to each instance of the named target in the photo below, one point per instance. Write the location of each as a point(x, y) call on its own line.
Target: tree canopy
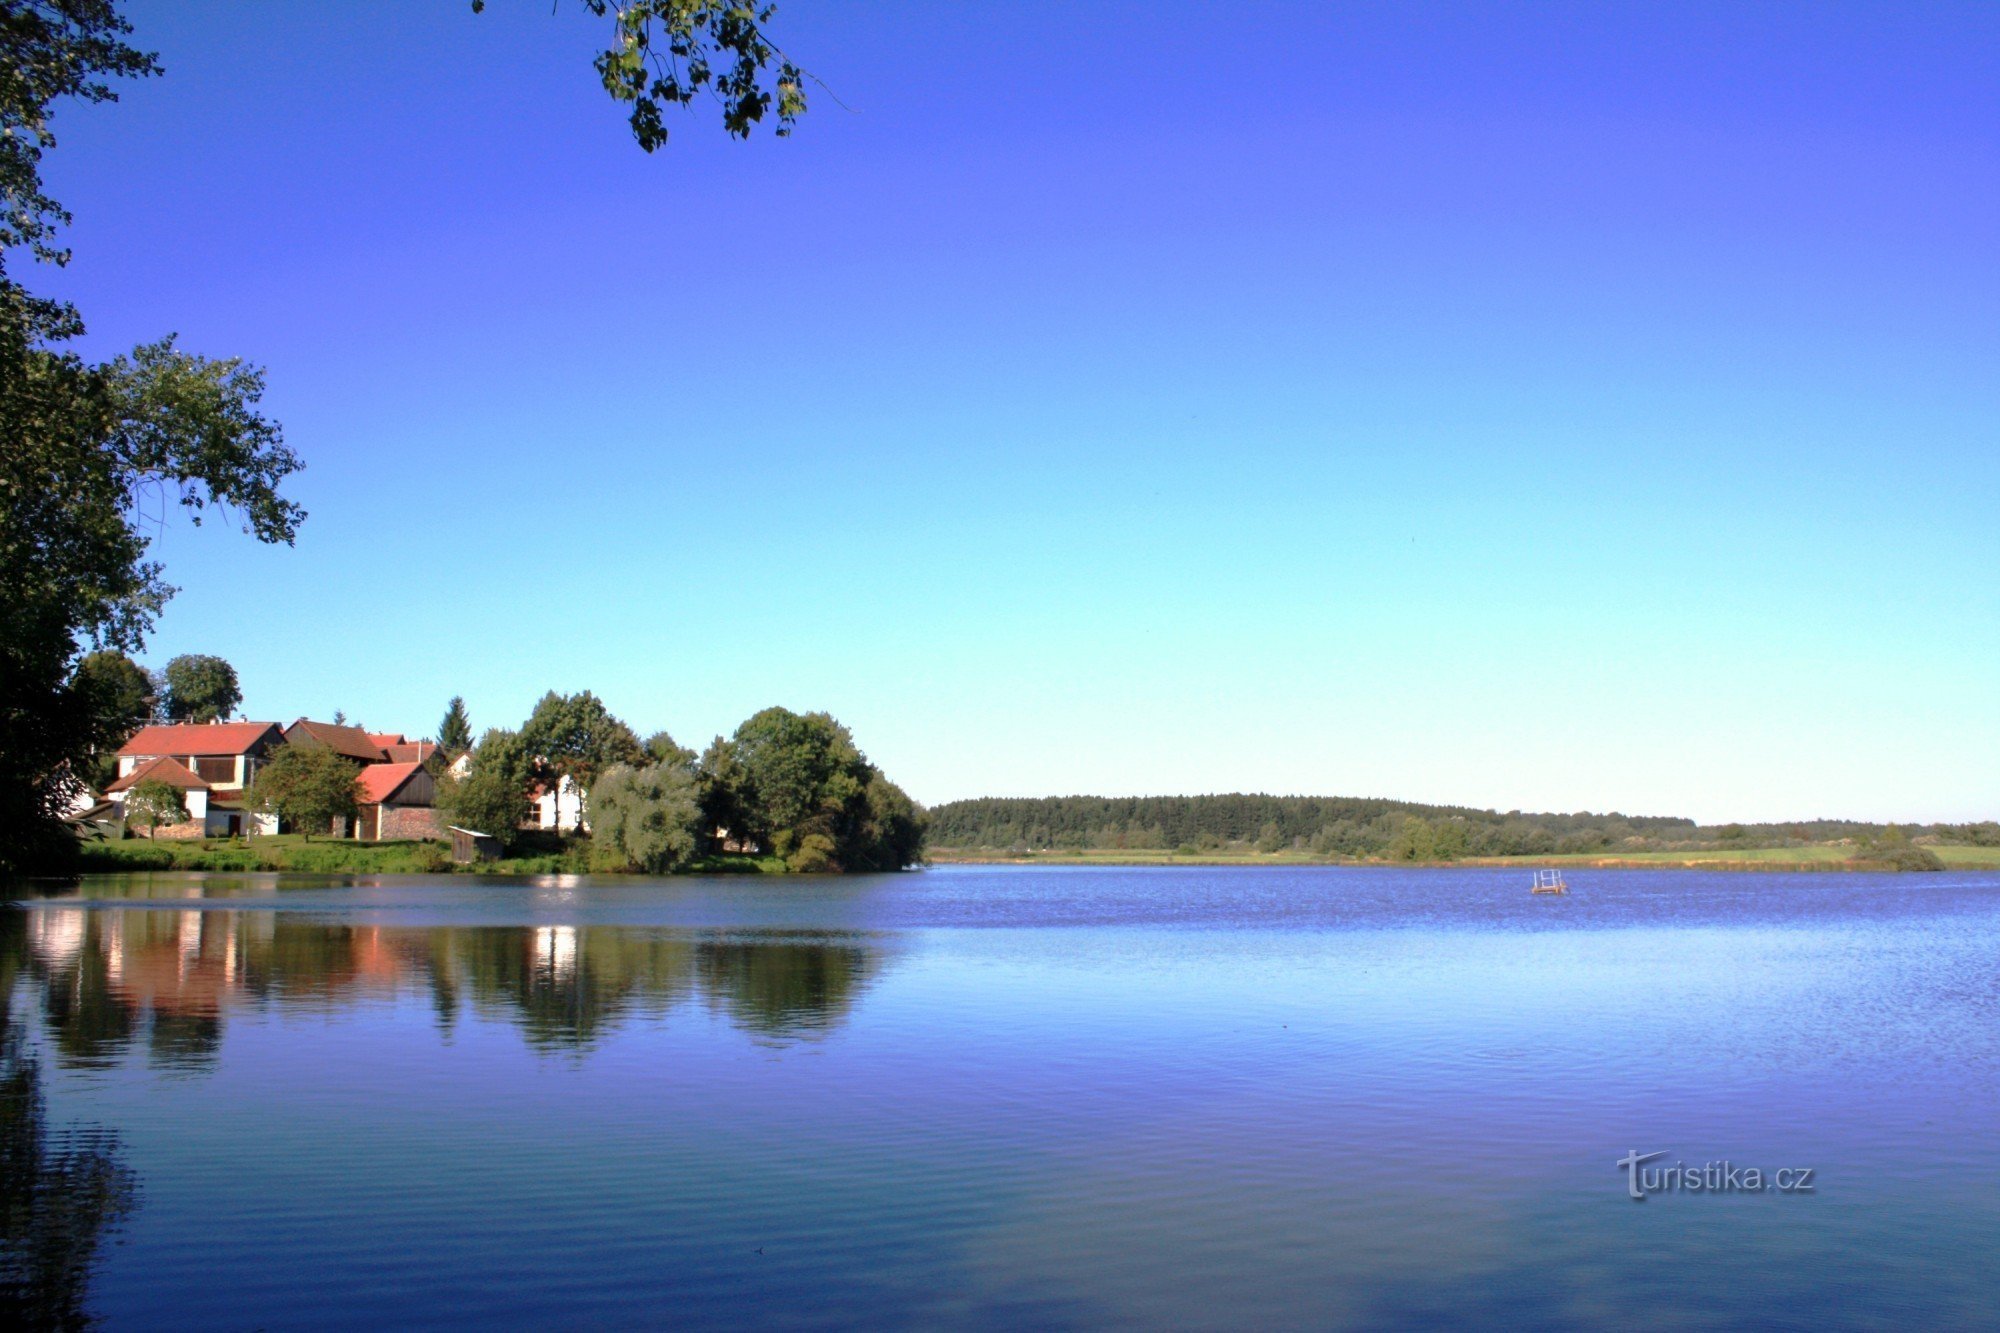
point(644, 819)
point(492, 796)
point(201, 688)
point(575, 736)
point(797, 783)
point(307, 786)
point(663, 53)
point(153, 803)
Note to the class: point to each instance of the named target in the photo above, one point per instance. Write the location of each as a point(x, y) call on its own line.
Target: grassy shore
point(335, 856)
point(1823, 856)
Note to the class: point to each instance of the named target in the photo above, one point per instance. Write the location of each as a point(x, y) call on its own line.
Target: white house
point(211, 763)
point(561, 809)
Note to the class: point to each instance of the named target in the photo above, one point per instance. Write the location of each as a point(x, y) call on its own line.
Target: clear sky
point(1548, 407)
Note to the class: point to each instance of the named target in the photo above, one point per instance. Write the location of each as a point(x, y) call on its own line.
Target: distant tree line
point(1365, 828)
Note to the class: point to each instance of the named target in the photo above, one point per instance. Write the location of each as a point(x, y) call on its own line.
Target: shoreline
point(1980, 858)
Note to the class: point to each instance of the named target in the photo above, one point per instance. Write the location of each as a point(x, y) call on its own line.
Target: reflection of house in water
point(111, 977)
point(555, 951)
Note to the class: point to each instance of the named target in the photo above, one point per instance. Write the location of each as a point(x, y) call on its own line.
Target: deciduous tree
point(492, 796)
point(644, 818)
point(307, 786)
point(575, 736)
point(201, 688)
point(155, 802)
point(663, 53)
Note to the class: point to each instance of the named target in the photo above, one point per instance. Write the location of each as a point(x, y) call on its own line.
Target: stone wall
point(407, 822)
point(194, 828)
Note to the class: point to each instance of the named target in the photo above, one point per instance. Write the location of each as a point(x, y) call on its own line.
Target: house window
point(216, 769)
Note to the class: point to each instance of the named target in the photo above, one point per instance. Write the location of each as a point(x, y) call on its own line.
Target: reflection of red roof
point(169, 771)
point(379, 782)
point(198, 738)
point(350, 741)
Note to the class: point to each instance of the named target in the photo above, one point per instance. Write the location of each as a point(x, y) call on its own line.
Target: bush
point(1908, 856)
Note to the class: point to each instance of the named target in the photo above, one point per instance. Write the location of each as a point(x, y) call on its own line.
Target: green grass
point(736, 863)
point(1969, 858)
point(287, 851)
point(1810, 856)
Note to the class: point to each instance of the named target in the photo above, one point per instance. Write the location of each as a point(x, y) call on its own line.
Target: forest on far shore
point(1372, 828)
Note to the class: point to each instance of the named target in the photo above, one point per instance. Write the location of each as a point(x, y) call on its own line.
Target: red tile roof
point(209, 738)
point(168, 771)
point(410, 752)
point(350, 741)
point(385, 739)
point(379, 782)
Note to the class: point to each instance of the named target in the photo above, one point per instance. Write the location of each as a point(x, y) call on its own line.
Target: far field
point(1810, 857)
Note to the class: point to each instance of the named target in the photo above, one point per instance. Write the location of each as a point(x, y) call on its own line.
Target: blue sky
point(1553, 407)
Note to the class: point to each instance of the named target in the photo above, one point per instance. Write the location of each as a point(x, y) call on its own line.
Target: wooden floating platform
point(1549, 881)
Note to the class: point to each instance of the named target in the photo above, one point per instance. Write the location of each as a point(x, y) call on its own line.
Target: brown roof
point(379, 782)
point(350, 741)
point(198, 738)
point(169, 771)
point(410, 752)
point(385, 739)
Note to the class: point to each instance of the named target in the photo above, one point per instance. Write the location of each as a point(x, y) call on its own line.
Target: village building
point(352, 742)
point(398, 802)
point(560, 809)
point(211, 763)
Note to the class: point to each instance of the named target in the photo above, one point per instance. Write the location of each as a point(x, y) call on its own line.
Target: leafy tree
point(121, 689)
point(644, 818)
point(117, 693)
point(155, 802)
point(201, 688)
point(1415, 841)
point(805, 790)
point(339, 717)
point(84, 451)
point(575, 736)
point(722, 788)
point(1271, 838)
point(51, 49)
point(307, 786)
point(455, 731)
point(1449, 840)
point(664, 749)
point(664, 52)
point(493, 795)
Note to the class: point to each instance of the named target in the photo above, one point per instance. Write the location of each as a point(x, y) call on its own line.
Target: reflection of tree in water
point(166, 977)
point(60, 1193)
point(570, 985)
point(797, 986)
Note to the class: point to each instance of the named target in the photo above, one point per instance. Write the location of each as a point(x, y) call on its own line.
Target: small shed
point(468, 846)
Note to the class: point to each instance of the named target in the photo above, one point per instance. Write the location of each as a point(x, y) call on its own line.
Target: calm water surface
point(993, 1097)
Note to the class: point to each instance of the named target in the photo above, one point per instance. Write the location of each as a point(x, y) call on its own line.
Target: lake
point(1000, 1096)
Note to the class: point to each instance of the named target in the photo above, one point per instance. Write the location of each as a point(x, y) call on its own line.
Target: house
point(352, 742)
point(212, 763)
point(397, 801)
point(401, 750)
point(561, 809)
